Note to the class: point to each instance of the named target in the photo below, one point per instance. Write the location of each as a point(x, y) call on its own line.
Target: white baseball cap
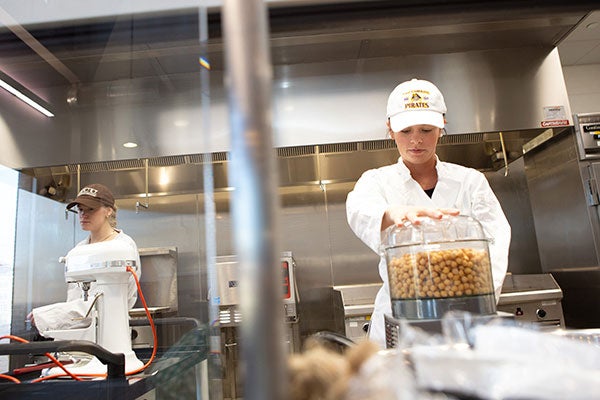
point(415, 102)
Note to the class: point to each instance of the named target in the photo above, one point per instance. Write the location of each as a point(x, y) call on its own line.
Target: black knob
point(540, 312)
point(365, 327)
point(519, 311)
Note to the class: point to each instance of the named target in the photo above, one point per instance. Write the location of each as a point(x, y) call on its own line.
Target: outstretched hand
point(398, 215)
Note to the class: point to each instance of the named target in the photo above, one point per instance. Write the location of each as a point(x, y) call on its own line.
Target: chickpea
point(439, 274)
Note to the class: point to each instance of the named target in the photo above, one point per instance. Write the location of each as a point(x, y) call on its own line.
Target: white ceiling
point(582, 45)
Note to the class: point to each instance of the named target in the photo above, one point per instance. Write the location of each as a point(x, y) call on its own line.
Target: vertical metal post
point(255, 203)
point(214, 364)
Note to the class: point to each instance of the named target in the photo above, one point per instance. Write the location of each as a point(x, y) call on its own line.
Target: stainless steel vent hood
point(334, 66)
point(306, 173)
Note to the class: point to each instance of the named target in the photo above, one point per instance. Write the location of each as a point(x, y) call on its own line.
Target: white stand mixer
point(104, 263)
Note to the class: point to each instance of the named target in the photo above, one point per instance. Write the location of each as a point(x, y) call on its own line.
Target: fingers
point(414, 214)
point(449, 211)
point(30, 318)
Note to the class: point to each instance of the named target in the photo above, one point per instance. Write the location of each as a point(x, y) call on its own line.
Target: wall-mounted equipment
point(587, 127)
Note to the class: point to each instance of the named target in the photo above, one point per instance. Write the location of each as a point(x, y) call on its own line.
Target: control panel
point(587, 128)
point(229, 292)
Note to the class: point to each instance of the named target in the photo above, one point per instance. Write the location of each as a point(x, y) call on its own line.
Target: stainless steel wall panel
point(157, 227)
point(513, 194)
point(297, 170)
point(352, 262)
point(349, 166)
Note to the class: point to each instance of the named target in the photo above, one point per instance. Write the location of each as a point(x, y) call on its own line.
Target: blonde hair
point(112, 218)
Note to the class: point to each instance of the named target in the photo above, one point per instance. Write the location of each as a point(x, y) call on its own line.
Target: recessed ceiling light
point(130, 145)
point(592, 25)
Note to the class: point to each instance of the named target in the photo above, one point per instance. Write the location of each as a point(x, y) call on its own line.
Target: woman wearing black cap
point(95, 205)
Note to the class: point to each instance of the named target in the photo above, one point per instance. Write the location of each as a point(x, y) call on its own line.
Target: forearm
point(386, 221)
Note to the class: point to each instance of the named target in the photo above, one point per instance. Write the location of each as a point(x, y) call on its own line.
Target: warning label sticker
point(556, 122)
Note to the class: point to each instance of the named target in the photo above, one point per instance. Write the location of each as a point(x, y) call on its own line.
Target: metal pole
point(255, 203)
point(214, 358)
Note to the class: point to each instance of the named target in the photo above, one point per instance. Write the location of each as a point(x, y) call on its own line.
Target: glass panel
point(44, 233)
point(126, 82)
point(8, 205)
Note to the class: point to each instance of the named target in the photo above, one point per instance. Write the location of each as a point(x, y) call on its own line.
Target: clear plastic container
point(437, 266)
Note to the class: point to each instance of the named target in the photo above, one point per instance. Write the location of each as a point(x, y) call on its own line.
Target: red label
point(555, 122)
point(287, 292)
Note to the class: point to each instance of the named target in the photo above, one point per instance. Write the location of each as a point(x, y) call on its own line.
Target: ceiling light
point(11, 85)
point(181, 123)
point(592, 25)
point(130, 145)
point(164, 177)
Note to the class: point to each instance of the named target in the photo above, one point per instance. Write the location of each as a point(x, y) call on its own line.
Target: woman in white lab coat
point(95, 205)
point(420, 185)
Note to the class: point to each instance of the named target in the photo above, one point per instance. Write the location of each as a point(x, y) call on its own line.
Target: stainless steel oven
point(534, 299)
point(357, 303)
point(230, 317)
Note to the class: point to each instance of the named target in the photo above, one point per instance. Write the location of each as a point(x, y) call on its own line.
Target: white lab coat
point(65, 315)
point(74, 291)
point(465, 189)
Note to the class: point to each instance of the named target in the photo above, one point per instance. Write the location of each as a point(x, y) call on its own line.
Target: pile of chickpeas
point(440, 274)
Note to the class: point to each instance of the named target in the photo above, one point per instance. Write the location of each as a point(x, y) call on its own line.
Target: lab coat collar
point(447, 188)
point(405, 172)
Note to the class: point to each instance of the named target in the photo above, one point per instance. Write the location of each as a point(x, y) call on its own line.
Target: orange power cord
point(78, 377)
point(155, 339)
point(10, 378)
point(50, 356)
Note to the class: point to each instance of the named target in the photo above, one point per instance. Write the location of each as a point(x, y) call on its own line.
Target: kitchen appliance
point(432, 326)
point(159, 286)
point(228, 281)
point(528, 299)
point(439, 265)
point(357, 303)
point(230, 317)
point(533, 299)
point(587, 127)
point(563, 178)
point(104, 263)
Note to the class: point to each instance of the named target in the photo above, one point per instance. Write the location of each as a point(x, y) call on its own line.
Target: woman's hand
point(30, 318)
point(398, 215)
